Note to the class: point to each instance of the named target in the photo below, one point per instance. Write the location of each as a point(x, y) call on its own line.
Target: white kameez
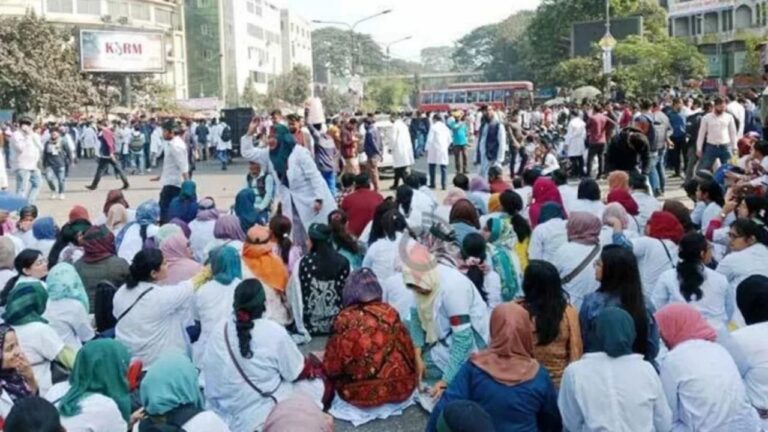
point(566, 260)
point(212, 302)
point(576, 137)
point(382, 257)
point(716, 305)
point(397, 295)
point(653, 259)
point(622, 394)
point(438, 141)
point(402, 146)
point(70, 320)
point(202, 234)
point(704, 389)
point(751, 340)
point(273, 368)
point(547, 238)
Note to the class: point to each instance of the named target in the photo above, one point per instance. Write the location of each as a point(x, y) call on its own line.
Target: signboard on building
point(683, 8)
point(121, 51)
point(586, 35)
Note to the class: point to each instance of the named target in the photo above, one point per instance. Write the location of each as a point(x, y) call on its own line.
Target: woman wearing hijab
point(752, 299)
point(454, 195)
point(170, 395)
point(620, 286)
point(114, 196)
point(615, 212)
point(68, 306)
point(549, 233)
point(369, 372)
point(260, 261)
point(624, 198)
point(702, 383)
point(202, 228)
point(100, 261)
point(78, 212)
point(181, 266)
point(182, 225)
point(464, 219)
point(501, 240)
point(117, 218)
point(448, 321)
point(45, 232)
point(637, 399)
point(505, 379)
point(7, 255)
point(17, 379)
point(245, 211)
point(315, 287)
point(480, 191)
point(618, 180)
point(557, 334)
point(298, 413)
point(39, 341)
point(132, 237)
point(575, 260)
point(544, 191)
point(251, 363)
point(96, 398)
point(184, 206)
point(227, 231)
point(69, 244)
point(657, 250)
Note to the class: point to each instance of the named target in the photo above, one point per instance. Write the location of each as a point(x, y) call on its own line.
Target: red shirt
point(596, 128)
point(360, 206)
point(499, 186)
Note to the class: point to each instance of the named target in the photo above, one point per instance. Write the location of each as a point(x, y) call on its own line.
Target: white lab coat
point(652, 260)
point(622, 394)
point(547, 238)
point(716, 305)
point(751, 342)
point(98, 413)
point(156, 141)
point(402, 146)
point(576, 137)
point(566, 259)
point(438, 141)
point(594, 207)
point(647, 205)
point(739, 113)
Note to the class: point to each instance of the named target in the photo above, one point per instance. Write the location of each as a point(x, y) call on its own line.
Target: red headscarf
point(78, 212)
point(623, 197)
point(98, 244)
point(664, 225)
point(544, 191)
point(680, 322)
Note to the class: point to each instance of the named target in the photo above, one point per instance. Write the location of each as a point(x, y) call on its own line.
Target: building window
point(163, 17)
point(89, 7)
point(249, 6)
point(259, 77)
point(140, 11)
point(117, 8)
point(60, 6)
point(255, 31)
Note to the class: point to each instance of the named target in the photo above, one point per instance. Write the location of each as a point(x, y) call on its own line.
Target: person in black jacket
point(692, 124)
point(56, 157)
point(626, 149)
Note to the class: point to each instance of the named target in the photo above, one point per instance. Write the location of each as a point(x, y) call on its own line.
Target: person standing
point(223, 143)
point(123, 141)
point(438, 141)
point(575, 138)
point(372, 147)
point(90, 140)
point(692, 126)
point(420, 124)
point(596, 128)
point(202, 132)
point(717, 136)
point(175, 167)
point(402, 150)
point(107, 157)
point(55, 159)
point(349, 141)
point(491, 142)
point(736, 109)
point(459, 130)
point(516, 138)
point(155, 146)
point(662, 132)
point(677, 156)
point(136, 149)
point(27, 150)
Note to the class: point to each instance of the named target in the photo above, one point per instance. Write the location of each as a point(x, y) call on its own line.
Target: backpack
point(137, 143)
point(171, 421)
point(226, 134)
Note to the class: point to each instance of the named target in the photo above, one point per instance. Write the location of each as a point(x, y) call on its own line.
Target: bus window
point(483, 96)
point(498, 96)
point(471, 96)
point(461, 98)
point(448, 97)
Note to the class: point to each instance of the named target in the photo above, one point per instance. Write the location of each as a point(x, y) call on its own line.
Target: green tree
point(38, 67)
point(334, 48)
point(438, 58)
point(578, 72)
point(107, 90)
point(752, 64)
point(334, 101)
point(386, 94)
point(293, 87)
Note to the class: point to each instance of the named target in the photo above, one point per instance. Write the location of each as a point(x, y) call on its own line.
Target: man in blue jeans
point(27, 151)
point(717, 136)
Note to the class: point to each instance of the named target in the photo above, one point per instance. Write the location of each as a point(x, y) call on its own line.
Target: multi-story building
point(127, 15)
point(296, 40)
point(720, 28)
point(234, 41)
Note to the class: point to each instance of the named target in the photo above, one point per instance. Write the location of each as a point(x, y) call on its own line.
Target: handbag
point(240, 371)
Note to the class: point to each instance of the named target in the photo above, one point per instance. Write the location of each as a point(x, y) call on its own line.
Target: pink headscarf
point(181, 266)
point(680, 322)
point(453, 195)
point(544, 191)
point(617, 211)
point(298, 413)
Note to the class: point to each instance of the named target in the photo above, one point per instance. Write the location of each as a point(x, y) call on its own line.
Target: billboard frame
point(120, 30)
point(639, 19)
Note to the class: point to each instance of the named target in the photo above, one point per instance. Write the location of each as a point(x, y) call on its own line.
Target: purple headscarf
point(479, 184)
point(228, 228)
point(584, 228)
point(206, 210)
point(362, 286)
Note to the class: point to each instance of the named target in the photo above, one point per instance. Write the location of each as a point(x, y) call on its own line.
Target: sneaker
point(149, 170)
point(54, 196)
point(62, 197)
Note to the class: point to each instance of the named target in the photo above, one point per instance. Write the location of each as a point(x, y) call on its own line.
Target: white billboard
point(121, 51)
point(689, 7)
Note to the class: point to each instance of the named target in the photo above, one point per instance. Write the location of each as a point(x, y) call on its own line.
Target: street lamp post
point(607, 43)
point(393, 43)
point(353, 37)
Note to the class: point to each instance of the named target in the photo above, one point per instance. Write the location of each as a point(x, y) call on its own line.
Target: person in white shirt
point(27, 151)
point(575, 260)
point(588, 198)
point(636, 402)
point(223, 135)
point(68, 306)
point(548, 159)
point(382, 255)
point(175, 167)
point(749, 253)
point(438, 141)
point(202, 228)
point(549, 234)
point(752, 299)
point(693, 283)
point(478, 267)
point(700, 379)
point(96, 398)
point(568, 193)
point(709, 195)
point(19, 381)
point(89, 140)
point(646, 203)
point(170, 394)
point(737, 110)
point(575, 143)
point(717, 136)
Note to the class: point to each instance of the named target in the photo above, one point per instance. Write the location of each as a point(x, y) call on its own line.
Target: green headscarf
point(65, 283)
point(280, 154)
point(167, 231)
point(170, 382)
point(101, 368)
point(188, 190)
point(613, 332)
point(226, 265)
point(26, 303)
point(501, 247)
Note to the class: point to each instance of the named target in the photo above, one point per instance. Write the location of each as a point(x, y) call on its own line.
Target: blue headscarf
point(64, 282)
point(282, 151)
point(170, 382)
point(184, 206)
point(245, 210)
point(551, 210)
point(148, 213)
point(225, 265)
point(44, 228)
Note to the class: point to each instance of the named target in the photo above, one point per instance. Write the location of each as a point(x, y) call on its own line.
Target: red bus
point(464, 96)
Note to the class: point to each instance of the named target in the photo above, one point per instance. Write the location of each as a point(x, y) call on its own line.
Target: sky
point(429, 22)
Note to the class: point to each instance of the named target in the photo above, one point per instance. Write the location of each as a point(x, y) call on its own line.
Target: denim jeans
point(713, 152)
point(56, 179)
point(222, 156)
point(443, 174)
point(421, 143)
point(137, 161)
point(28, 179)
point(330, 180)
point(653, 176)
point(659, 167)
